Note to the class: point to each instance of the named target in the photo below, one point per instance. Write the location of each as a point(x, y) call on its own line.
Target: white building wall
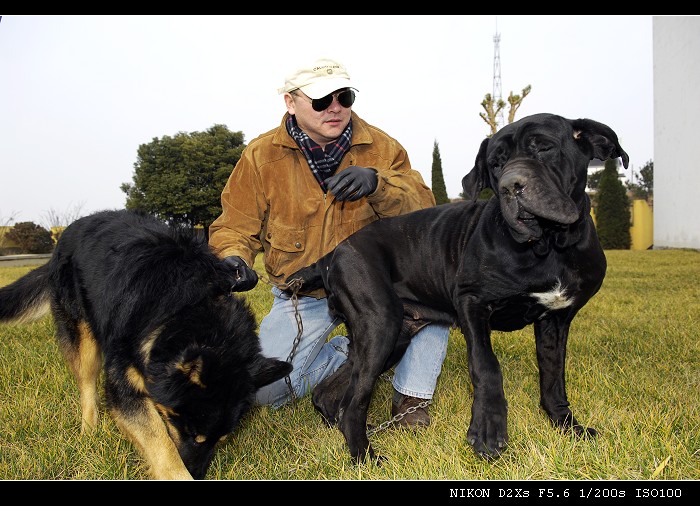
point(676, 53)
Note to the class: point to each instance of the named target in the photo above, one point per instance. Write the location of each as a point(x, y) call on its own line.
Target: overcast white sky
point(79, 94)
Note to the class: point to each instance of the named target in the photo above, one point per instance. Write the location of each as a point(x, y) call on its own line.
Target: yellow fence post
point(641, 224)
point(642, 229)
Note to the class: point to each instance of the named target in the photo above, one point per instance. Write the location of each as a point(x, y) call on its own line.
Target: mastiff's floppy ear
point(600, 140)
point(478, 178)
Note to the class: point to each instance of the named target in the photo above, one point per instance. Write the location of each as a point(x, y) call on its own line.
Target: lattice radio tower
point(497, 77)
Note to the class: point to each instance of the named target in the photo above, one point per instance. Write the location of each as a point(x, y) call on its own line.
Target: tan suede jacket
point(272, 203)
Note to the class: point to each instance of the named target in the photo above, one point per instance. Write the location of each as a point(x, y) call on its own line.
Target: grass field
point(633, 373)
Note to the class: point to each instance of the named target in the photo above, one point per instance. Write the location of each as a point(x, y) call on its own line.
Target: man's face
point(322, 126)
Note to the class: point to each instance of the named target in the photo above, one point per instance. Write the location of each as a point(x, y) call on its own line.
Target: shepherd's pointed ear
point(478, 178)
point(268, 370)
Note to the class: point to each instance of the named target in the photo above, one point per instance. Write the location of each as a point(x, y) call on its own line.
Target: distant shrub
point(31, 238)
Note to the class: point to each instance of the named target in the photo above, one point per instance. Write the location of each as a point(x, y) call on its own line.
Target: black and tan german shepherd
point(181, 354)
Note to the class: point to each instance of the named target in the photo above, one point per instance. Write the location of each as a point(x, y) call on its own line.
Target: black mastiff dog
point(528, 255)
point(152, 307)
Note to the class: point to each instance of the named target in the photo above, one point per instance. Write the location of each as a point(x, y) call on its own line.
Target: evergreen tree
point(179, 179)
point(644, 188)
point(438, 181)
point(612, 209)
point(594, 179)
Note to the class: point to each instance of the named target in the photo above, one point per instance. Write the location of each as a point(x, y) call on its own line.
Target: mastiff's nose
point(536, 194)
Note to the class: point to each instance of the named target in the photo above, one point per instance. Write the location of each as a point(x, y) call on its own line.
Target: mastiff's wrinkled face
point(538, 167)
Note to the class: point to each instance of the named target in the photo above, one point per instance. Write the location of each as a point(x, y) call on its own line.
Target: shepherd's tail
point(27, 299)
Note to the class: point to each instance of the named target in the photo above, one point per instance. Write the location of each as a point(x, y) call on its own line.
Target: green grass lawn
point(633, 373)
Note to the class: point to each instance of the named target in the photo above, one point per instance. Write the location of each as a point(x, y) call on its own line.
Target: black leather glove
point(245, 277)
point(353, 183)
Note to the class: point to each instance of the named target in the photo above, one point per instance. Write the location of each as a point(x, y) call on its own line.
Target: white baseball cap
point(321, 78)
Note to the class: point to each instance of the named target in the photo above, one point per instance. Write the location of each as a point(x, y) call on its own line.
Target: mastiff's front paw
point(488, 432)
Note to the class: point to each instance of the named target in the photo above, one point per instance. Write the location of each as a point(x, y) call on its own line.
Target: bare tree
point(515, 101)
point(56, 222)
point(6, 222)
point(53, 218)
point(492, 108)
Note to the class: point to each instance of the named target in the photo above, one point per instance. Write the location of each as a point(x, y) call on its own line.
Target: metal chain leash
point(295, 285)
point(399, 416)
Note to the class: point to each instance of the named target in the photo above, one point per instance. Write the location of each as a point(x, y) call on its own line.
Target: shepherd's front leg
point(142, 424)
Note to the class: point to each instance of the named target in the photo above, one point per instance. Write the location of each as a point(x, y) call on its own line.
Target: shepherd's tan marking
point(33, 312)
point(147, 431)
point(148, 343)
point(165, 411)
point(85, 360)
point(136, 379)
point(193, 370)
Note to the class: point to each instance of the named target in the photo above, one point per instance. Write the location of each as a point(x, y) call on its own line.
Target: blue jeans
point(316, 358)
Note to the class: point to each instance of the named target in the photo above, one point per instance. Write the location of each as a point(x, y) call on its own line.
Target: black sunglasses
point(345, 98)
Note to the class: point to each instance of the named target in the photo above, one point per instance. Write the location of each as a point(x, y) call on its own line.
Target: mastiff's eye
point(539, 145)
point(498, 159)
point(545, 151)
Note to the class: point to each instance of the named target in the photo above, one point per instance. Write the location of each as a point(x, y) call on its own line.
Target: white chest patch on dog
point(556, 298)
